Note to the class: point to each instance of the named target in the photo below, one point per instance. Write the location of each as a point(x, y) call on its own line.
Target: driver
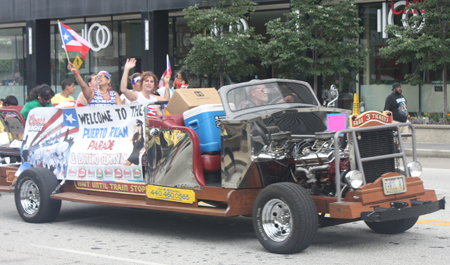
point(257, 96)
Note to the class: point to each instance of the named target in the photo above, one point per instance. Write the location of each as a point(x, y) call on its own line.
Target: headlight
point(354, 179)
point(415, 169)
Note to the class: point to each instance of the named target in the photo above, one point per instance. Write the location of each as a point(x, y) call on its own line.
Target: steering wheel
point(276, 99)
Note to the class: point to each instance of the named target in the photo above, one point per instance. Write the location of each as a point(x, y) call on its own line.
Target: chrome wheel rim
point(30, 197)
point(277, 220)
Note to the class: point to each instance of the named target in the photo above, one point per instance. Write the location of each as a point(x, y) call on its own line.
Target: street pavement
point(429, 150)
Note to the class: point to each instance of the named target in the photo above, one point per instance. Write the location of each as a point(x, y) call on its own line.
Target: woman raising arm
point(103, 96)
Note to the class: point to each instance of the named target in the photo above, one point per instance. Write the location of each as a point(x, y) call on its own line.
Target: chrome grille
point(376, 143)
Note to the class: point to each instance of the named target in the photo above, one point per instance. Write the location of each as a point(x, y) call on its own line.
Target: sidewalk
point(429, 150)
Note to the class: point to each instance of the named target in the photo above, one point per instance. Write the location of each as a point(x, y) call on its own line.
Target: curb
point(429, 153)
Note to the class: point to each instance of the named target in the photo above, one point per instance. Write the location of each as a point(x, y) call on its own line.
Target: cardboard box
point(184, 99)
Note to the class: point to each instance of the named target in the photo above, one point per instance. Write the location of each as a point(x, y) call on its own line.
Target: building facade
point(31, 50)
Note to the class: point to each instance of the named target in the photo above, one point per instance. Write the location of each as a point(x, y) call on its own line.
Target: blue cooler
point(203, 120)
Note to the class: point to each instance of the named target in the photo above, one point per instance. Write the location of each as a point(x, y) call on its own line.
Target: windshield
point(271, 93)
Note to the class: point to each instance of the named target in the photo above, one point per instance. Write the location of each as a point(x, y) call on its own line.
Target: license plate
point(394, 185)
point(170, 194)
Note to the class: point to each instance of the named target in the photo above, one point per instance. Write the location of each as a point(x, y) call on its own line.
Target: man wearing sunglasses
point(257, 96)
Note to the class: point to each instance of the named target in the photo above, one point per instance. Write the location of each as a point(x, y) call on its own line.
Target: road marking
point(98, 255)
point(433, 222)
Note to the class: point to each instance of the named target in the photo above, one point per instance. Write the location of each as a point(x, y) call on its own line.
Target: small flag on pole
point(167, 72)
point(72, 42)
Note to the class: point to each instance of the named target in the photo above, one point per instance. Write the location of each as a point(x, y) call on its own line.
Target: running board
point(7, 188)
point(137, 203)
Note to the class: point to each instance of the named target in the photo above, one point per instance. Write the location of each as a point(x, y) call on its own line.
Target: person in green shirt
point(39, 96)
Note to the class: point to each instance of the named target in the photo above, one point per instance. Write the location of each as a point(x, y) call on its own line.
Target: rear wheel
point(32, 195)
point(392, 227)
point(285, 218)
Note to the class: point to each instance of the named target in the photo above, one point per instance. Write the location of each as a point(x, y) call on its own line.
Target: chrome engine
point(312, 158)
point(314, 162)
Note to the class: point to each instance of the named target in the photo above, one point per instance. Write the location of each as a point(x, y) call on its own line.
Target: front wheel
point(392, 227)
point(32, 196)
point(285, 218)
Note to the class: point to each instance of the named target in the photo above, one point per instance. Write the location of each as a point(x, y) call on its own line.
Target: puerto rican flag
point(151, 110)
point(72, 41)
point(167, 72)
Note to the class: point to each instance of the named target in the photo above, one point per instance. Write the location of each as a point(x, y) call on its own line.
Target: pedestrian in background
point(181, 80)
point(397, 104)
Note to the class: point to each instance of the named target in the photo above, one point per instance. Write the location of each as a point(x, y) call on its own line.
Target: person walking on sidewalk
point(397, 104)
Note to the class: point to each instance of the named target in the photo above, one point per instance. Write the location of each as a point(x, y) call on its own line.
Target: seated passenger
point(135, 78)
point(68, 88)
point(39, 96)
point(257, 96)
point(10, 101)
point(91, 82)
point(136, 86)
point(104, 95)
point(148, 83)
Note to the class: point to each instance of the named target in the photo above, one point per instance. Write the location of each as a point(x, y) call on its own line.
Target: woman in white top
point(148, 83)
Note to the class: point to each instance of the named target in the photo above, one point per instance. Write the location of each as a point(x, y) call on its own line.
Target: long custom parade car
point(288, 162)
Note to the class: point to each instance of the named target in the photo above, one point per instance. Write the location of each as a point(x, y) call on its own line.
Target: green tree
point(422, 37)
point(222, 45)
point(319, 38)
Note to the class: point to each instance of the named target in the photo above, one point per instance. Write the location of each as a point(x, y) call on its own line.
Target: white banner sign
point(89, 143)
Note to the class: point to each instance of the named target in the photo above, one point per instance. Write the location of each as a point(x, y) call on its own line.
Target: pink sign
point(336, 122)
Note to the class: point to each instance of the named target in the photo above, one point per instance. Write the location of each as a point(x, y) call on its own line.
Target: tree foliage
point(319, 38)
point(221, 45)
point(425, 39)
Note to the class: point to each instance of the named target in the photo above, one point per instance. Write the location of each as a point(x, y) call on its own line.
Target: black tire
point(285, 218)
point(392, 227)
point(32, 196)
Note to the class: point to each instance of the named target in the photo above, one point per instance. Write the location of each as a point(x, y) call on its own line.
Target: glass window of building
point(377, 78)
point(12, 64)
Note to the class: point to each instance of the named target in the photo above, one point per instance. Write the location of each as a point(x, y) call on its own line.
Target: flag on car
point(167, 72)
point(72, 42)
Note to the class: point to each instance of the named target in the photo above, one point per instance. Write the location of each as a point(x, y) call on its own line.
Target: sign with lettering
point(170, 194)
point(116, 187)
point(102, 36)
point(365, 118)
point(90, 143)
point(385, 16)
